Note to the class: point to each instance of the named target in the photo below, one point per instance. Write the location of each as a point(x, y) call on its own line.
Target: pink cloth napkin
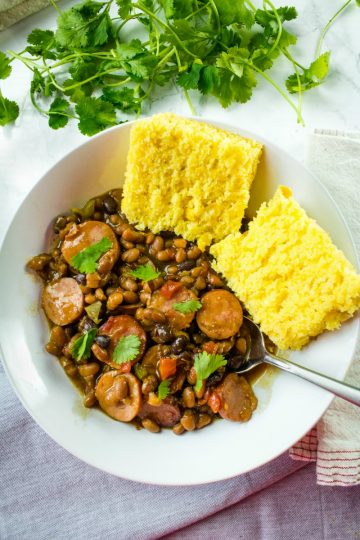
point(335, 442)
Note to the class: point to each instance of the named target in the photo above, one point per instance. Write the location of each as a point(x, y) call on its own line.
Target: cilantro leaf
point(5, 68)
point(145, 272)
point(58, 113)
point(123, 99)
point(125, 7)
point(41, 43)
point(72, 32)
point(9, 110)
point(188, 306)
point(231, 12)
point(190, 79)
point(86, 260)
point(83, 26)
point(164, 389)
point(205, 364)
point(311, 76)
point(127, 348)
point(81, 347)
point(209, 79)
point(94, 115)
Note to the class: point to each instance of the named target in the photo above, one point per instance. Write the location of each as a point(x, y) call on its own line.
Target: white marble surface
point(30, 147)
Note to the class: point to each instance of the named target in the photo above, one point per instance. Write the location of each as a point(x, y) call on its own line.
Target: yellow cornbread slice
point(291, 278)
point(188, 177)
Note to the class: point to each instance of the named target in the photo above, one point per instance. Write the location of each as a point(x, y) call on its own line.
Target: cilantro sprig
point(205, 364)
point(188, 306)
point(145, 272)
point(86, 260)
point(81, 347)
point(127, 348)
point(93, 70)
point(164, 389)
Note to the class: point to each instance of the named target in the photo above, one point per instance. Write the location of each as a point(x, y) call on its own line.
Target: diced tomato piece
point(167, 367)
point(214, 402)
point(126, 367)
point(210, 347)
point(170, 289)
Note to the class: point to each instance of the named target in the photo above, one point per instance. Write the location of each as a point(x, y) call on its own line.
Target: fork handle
point(340, 389)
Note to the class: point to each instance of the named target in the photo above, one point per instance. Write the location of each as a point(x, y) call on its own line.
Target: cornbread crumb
point(292, 279)
point(188, 177)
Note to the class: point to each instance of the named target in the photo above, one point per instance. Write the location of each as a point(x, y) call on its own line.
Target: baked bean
point(89, 369)
point(241, 345)
point(90, 398)
point(188, 397)
point(100, 295)
point(196, 272)
point(188, 420)
point(143, 259)
point(151, 315)
point(180, 255)
point(90, 298)
point(93, 280)
point(180, 242)
point(200, 283)
point(199, 393)
point(57, 340)
point(191, 376)
point(39, 262)
point(156, 283)
point(157, 245)
point(203, 420)
point(178, 429)
point(187, 280)
point(114, 300)
point(149, 384)
point(150, 425)
point(149, 238)
point(130, 297)
point(214, 280)
point(194, 252)
point(133, 236)
point(171, 269)
point(131, 255)
point(126, 244)
point(129, 284)
point(165, 255)
point(145, 297)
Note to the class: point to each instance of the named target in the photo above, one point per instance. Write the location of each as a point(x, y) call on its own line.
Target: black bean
point(186, 265)
point(59, 224)
point(110, 205)
point(103, 341)
point(162, 333)
point(236, 361)
point(86, 324)
point(179, 344)
point(215, 378)
point(80, 278)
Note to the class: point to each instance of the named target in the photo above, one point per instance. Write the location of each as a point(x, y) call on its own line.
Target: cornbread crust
point(290, 276)
point(188, 177)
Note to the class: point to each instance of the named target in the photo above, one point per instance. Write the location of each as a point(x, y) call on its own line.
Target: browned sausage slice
point(116, 328)
point(166, 415)
point(120, 405)
point(85, 235)
point(221, 314)
point(238, 401)
point(63, 301)
point(177, 320)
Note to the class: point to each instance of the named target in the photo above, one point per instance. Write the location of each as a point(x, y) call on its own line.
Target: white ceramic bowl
point(288, 406)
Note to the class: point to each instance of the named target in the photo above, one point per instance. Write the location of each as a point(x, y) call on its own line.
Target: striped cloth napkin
point(334, 157)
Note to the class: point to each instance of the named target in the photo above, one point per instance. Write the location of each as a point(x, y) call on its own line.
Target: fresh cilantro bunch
point(86, 69)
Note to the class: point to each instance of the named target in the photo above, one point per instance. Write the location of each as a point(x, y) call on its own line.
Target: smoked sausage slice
point(166, 415)
point(237, 399)
point(85, 235)
point(164, 303)
point(63, 301)
point(117, 403)
point(221, 314)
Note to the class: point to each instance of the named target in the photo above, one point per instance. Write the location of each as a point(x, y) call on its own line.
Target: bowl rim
point(232, 128)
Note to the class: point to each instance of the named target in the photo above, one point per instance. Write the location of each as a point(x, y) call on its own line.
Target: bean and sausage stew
point(141, 323)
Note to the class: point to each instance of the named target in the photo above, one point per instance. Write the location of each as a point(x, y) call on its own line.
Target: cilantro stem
point(55, 6)
point(327, 26)
point(281, 92)
point(205, 6)
point(291, 59)
point(168, 27)
point(278, 20)
point(216, 14)
point(191, 106)
point(251, 5)
point(120, 83)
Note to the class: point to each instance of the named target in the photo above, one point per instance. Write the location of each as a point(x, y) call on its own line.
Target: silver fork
point(258, 354)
